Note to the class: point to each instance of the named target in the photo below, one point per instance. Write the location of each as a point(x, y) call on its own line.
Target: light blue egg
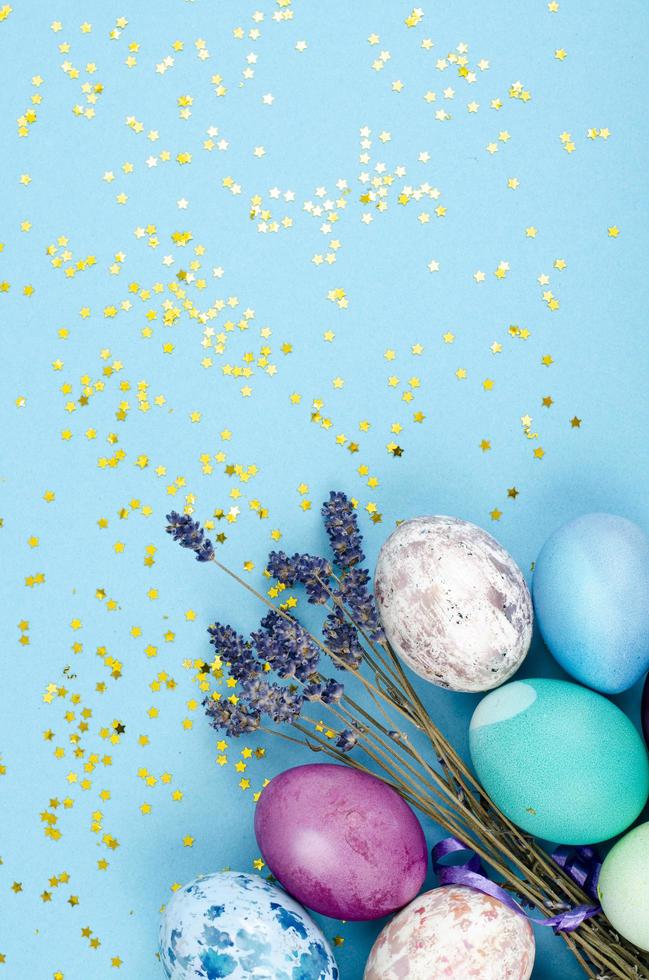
point(591, 599)
point(559, 760)
point(239, 926)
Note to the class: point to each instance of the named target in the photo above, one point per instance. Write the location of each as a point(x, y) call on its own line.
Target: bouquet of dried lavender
point(289, 682)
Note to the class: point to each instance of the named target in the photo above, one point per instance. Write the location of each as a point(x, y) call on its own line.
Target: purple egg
point(644, 709)
point(341, 841)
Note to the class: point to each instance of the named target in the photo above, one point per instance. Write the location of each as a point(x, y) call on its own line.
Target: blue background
point(323, 96)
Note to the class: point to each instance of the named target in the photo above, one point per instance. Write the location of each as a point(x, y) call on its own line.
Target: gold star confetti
point(189, 338)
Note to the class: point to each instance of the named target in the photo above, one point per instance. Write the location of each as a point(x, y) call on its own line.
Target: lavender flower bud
point(333, 692)
point(190, 534)
point(346, 740)
point(234, 649)
point(341, 525)
point(286, 705)
point(309, 570)
point(342, 640)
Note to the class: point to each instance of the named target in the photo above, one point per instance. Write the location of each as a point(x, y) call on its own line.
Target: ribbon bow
point(582, 864)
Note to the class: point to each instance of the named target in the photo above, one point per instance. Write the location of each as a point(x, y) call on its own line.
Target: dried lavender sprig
point(309, 570)
point(190, 534)
point(341, 525)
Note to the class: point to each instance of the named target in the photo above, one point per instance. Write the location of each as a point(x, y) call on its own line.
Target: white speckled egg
point(624, 886)
point(453, 603)
point(457, 933)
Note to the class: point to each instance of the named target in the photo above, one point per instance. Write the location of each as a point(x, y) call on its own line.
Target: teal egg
point(591, 600)
point(623, 887)
point(559, 760)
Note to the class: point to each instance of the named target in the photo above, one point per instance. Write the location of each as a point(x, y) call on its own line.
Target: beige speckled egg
point(455, 933)
point(453, 603)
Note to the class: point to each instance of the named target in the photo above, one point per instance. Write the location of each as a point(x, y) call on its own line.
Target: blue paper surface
point(80, 523)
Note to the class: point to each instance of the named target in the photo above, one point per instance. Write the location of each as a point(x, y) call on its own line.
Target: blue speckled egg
point(239, 926)
point(560, 761)
point(591, 599)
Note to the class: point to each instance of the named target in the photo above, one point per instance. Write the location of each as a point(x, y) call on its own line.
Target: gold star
point(575, 422)
point(512, 492)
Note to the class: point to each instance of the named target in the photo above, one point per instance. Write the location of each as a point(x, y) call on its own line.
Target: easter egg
point(239, 926)
point(453, 604)
point(455, 933)
point(559, 760)
point(591, 599)
point(644, 709)
point(623, 886)
point(341, 841)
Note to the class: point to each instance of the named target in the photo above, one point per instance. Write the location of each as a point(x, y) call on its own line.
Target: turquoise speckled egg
point(239, 926)
point(623, 887)
point(560, 761)
point(591, 599)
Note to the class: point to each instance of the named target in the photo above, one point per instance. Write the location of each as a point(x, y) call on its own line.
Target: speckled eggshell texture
point(456, 933)
point(561, 761)
point(453, 603)
point(623, 887)
point(241, 927)
point(591, 598)
point(341, 841)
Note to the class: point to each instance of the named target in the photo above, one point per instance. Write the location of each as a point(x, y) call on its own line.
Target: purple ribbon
point(582, 864)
